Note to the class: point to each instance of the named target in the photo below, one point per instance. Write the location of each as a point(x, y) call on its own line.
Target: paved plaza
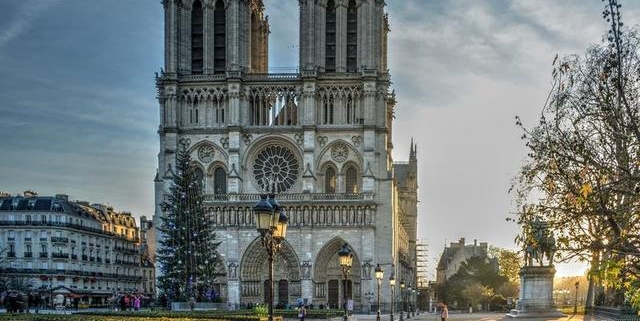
point(474, 316)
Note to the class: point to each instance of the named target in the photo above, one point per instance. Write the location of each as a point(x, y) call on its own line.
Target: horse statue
point(540, 243)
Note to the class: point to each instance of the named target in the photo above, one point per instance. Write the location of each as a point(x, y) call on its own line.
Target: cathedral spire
point(412, 152)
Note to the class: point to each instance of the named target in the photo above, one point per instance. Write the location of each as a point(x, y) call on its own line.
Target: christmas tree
point(187, 243)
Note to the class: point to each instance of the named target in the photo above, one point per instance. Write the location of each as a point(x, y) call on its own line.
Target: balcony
point(292, 197)
point(58, 239)
point(44, 255)
point(108, 261)
point(99, 260)
point(74, 256)
point(85, 257)
point(59, 255)
point(27, 239)
point(28, 254)
point(11, 254)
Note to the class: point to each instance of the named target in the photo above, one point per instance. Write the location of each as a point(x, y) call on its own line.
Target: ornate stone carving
point(299, 137)
point(225, 142)
point(247, 138)
point(306, 270)
point(275, 168)
point(206, 153)
point(339, 152)
point(185, 142)
point(356, 140)
point(233, 271)
point(322, 140)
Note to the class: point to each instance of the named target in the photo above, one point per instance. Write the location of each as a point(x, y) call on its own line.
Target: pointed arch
point(352, 37)
point(352, 177)
point(330, 37)
point(219, 37)
point(327, 274)
point(254, 269)
point(197, 37)
point(330, 177)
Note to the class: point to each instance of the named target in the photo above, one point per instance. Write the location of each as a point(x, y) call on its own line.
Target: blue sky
point(78, 113)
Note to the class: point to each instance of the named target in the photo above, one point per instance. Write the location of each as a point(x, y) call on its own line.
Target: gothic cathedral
point(321, 137)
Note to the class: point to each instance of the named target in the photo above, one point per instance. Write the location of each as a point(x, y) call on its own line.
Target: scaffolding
point(422, 257)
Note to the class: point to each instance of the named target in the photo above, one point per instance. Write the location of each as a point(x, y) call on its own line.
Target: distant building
point(56, 246)
point(453, 256)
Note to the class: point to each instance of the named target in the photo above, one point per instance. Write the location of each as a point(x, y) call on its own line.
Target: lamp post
point(379, 273)
point(402, 285)
point(575, 302)
point(271, 222)
point(392, 283)
point(346, 259)
point(409, 303)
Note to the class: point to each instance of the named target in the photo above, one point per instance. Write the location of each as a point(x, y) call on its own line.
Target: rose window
point(275, 169)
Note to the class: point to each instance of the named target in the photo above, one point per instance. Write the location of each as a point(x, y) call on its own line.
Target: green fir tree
point(188, 243)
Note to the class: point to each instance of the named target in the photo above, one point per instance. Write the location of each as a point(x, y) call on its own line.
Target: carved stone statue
point(540, 243)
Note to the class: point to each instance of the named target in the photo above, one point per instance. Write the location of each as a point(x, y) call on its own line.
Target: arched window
point(219, 38)
point(219, 181)
point(352, 37)
point(197, 42)
point(328, 110)
point(351, 180)
point(199, 176)
point(330, 180)
point(330, 37)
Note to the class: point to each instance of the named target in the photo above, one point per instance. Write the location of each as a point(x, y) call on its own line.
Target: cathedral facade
point(321, 137)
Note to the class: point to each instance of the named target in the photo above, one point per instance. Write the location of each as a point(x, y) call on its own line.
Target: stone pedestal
point(536, 294)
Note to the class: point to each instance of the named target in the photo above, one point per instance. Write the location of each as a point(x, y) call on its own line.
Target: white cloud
point(26, 14)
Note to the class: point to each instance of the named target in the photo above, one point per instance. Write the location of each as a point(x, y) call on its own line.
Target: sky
point(79, 115)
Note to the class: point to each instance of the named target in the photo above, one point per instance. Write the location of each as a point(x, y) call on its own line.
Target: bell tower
point(338, 36)
point(215, 36)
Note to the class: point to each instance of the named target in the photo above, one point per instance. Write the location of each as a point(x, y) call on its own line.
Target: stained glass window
point(275, 169)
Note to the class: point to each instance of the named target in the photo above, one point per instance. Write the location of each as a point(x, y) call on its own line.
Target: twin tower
point(321, 138)
point(218, 36)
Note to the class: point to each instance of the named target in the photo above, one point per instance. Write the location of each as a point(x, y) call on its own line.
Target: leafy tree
point(509, 262)
point(476, 271)
point(582, 174)
point(188, 246)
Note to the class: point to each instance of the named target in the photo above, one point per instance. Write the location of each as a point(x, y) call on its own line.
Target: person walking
point(302, 313)
point(444, 314)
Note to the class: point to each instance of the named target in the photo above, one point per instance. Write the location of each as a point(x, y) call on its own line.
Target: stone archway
point(328, 279)
point(254, 271)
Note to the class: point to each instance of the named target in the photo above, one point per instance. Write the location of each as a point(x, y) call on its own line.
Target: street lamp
point(392, 283)
point(379, 273)
point(402, 285)
point(409, 299)
point(346, 259)
point(271, 223)
point(575, 302)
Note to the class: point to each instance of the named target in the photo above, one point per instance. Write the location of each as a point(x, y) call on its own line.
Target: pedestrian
point(444, 314)
point(136, 303)
point(302, 313)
